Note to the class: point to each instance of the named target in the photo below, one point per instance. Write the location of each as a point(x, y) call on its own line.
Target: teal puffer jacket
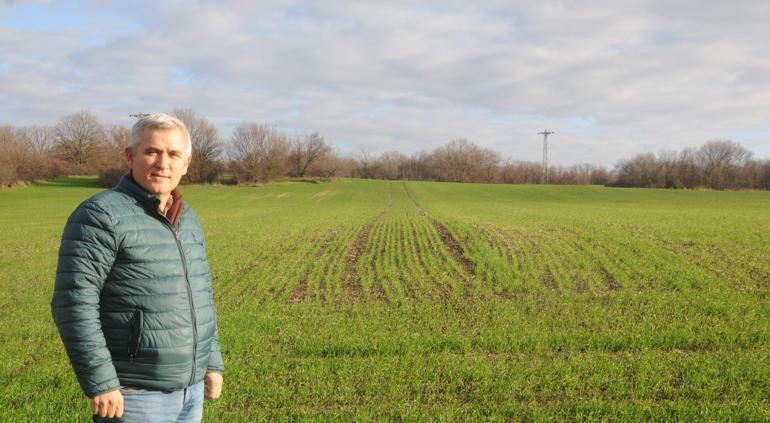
point(133, 300)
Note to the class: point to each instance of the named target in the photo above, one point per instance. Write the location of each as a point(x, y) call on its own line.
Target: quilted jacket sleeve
point(216, 364)
point(86, 255)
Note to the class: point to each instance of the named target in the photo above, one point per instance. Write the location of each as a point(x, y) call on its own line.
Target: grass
point(375, 300)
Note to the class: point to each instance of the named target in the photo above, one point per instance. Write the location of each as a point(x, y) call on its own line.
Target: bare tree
point(688, 172)
point(8, 135)
point(418, 166)
point(117, 140)
point(206, 147)
point(750, 175)
point(113, 165)
point(579, 174)
point(10, 148)
point(327, 165)
point(602, 176)
point(390, 165)
point(668, 162)
point(335, 165)
point(364, 165)
point(640, 171)
point(463, 161)
point(40, 138)
point(79, 138)
point(451, 162)
point(764, 179)
point(20, 163)
point(521, 172)
point(259, 153)
point(720, 160)
point(304, 150)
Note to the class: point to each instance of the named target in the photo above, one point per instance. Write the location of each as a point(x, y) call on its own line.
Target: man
point(133, 300)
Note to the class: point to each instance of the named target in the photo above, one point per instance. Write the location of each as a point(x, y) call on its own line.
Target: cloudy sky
point(611, 77)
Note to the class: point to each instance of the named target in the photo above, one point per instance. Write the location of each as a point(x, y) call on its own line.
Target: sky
point(611, 78)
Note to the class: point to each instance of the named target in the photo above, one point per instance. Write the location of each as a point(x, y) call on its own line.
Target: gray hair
point(161, 121)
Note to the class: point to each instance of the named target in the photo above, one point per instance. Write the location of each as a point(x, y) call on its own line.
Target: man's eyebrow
point(158, 150)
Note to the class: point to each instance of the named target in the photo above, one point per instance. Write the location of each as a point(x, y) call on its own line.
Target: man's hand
point(108, 405)
point(212, 383)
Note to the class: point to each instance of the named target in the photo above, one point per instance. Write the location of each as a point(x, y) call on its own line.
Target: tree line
point(78, 144)
point(258, 153)
point(718, 164)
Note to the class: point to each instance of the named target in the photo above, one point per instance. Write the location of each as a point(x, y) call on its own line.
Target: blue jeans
point(140, 405)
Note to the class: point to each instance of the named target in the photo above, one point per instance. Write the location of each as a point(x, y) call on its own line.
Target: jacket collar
point(130, 187)
point(150, 201)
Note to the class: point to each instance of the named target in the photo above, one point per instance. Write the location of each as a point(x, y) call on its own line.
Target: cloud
point(611, 78)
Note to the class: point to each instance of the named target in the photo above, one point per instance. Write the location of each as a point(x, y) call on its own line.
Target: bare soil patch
point(549, 280)
point(609, 281)
point(300, 291)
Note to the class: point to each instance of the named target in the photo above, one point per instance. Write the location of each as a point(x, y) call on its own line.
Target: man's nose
point(163, 161)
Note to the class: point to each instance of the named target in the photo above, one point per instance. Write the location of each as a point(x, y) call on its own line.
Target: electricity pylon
point(545, 135)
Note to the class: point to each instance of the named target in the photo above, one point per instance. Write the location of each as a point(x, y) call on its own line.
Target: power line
point(139, 115)
point(545, 135)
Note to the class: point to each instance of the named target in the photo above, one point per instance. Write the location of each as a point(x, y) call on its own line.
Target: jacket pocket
point(135, 331)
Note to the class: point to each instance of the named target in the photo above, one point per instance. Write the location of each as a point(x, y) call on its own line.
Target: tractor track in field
point(454, 247)
point(450, 242)
point(350, 279)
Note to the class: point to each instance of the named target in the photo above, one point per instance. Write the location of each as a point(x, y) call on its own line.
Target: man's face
point(159, 161)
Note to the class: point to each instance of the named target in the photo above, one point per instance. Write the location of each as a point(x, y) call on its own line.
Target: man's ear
point(129, 157)
point(187, 164)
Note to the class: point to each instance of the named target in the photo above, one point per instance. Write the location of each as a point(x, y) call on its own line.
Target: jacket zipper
point(189, 297)
point(136, 331)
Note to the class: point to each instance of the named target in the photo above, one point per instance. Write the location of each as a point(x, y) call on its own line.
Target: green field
point(377, 300)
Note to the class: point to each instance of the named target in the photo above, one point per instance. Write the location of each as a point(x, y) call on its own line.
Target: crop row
point(404, 252)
